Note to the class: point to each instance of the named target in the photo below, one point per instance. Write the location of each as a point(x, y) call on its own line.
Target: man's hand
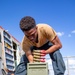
point(43, 52)
point(39, 60)
point(29, 56)
point(42, 60)
point(39, 52)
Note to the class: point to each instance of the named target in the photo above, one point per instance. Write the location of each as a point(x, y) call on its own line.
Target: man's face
point(31, 34)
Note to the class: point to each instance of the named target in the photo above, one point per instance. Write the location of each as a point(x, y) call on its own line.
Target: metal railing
point(70, 65)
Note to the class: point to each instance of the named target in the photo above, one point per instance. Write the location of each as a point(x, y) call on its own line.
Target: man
point(43, 37)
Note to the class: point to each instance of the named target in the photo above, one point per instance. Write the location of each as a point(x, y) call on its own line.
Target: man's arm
point(26, 49)
point(29, 56)
point(56, 45)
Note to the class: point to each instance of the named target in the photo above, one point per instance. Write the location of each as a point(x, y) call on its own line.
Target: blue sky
point(60, 14)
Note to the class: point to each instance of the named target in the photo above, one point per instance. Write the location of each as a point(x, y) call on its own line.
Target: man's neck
point(37, 39)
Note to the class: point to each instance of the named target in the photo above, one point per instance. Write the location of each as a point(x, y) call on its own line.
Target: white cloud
point(60, 33)
point(69, 35)
point(7, 30)
point(71, 61)
point(49, 61)
point(73, 31)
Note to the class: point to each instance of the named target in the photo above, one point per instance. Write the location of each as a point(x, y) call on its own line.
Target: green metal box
point(37, 68)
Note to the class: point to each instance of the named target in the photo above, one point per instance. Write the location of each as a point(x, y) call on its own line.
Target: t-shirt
point(45, 33)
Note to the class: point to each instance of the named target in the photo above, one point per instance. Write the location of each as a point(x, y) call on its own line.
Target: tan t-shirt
point(45, 33)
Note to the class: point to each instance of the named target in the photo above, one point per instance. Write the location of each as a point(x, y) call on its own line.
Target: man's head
point(27, 23)
point(28, 26)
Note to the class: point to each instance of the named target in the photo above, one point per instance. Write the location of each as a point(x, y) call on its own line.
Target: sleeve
point(25, 45)
point(49, 32)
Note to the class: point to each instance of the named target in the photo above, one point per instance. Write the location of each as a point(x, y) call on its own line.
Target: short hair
point(27, 23)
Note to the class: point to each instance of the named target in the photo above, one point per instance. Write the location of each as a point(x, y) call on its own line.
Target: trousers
point(58, 63)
